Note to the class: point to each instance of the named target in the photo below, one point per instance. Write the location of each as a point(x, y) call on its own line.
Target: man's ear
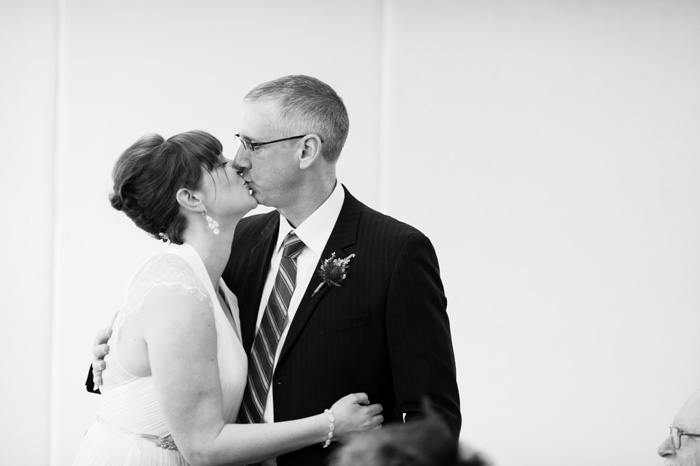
point(190, 199)
point(310, 151)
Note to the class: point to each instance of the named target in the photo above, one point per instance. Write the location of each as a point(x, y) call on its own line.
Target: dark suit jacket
point(384, 331)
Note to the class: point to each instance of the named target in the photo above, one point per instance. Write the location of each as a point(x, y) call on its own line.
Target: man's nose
point(666, 448)
point(240, 161)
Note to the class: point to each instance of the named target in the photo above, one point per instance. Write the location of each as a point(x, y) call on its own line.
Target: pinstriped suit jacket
point(384, 331)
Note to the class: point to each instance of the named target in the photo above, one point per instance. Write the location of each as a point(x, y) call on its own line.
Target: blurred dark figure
point(425, 442)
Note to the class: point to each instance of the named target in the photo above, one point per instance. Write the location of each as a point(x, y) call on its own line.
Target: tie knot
point(292, 246)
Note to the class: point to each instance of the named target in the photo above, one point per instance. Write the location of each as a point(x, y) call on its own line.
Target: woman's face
point(226, 193)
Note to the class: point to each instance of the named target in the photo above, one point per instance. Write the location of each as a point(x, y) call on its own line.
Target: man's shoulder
point(262, 219)
point(251, 227)
point(372, 219)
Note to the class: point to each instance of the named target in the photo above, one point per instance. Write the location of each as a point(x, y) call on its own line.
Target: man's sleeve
point(420, 343)
point(89, 384)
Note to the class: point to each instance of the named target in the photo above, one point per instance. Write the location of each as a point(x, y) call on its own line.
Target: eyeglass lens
point(676, 437)
point(242, 142)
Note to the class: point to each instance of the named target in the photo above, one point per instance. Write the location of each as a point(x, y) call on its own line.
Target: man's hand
point(100, 350)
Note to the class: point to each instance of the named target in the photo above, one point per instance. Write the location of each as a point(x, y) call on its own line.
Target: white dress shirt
point(314, 232)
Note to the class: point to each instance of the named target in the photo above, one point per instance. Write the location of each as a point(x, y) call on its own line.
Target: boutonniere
point(333, 271)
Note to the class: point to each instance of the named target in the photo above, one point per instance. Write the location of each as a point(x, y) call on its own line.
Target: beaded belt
point(165, 442)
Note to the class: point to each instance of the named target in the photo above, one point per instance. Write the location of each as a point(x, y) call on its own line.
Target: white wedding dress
point(130, 429)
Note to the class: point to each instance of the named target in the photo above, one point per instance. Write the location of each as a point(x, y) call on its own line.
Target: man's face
point(687, 420)
point(271, 171)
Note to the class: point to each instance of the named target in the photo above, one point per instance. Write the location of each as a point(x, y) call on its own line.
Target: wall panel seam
point(59, 11)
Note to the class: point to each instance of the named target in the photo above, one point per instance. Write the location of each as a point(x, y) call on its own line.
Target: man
point(367, 311)
point(682, 447)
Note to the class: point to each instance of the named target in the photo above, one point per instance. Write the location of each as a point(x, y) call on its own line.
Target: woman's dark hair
point(148, 175)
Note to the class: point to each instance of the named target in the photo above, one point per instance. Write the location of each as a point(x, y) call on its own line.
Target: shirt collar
point(317, 228)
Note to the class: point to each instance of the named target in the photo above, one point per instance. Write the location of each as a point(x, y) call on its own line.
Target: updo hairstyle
point(148, 175)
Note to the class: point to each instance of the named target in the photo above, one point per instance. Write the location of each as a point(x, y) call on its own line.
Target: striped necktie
point(262, 356)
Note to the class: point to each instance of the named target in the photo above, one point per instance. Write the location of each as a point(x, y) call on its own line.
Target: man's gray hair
point(307, 105)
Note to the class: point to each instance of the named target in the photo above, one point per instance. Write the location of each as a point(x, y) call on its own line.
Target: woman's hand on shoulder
point(354, 414)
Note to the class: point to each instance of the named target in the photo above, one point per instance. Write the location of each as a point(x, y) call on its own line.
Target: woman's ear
point(191, 200)
point(310, 151)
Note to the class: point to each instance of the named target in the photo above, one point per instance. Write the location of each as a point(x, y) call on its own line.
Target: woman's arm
point(180, 333)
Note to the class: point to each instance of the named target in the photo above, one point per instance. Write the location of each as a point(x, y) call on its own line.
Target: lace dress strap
point(163, 270)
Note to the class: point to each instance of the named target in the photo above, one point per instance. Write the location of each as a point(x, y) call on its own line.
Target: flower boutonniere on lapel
point(333, 271)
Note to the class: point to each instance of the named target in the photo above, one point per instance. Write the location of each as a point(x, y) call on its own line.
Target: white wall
point(27, 118)
point(549, 149)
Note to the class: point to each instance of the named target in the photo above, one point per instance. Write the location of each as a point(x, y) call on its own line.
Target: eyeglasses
point(676, 435)
point(252, 146)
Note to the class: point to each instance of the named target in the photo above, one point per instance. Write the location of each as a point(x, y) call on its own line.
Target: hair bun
point(117, 201)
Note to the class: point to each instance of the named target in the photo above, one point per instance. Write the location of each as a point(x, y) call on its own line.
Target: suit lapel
point(343, 236)
point(258, 266)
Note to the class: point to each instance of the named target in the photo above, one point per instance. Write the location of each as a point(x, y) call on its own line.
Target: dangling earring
point(213, 224)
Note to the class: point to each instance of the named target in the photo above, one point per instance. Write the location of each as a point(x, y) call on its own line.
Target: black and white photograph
point(350, 233)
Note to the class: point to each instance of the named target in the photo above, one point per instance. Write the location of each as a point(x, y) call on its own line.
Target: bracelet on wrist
point(331, 428)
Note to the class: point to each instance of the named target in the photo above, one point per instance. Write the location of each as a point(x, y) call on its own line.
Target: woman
point(177, 370)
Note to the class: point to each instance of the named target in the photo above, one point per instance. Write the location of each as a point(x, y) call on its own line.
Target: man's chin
point(260, 200)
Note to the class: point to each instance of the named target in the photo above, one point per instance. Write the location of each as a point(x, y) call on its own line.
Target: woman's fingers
point(374, 409)
point(361, 398)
